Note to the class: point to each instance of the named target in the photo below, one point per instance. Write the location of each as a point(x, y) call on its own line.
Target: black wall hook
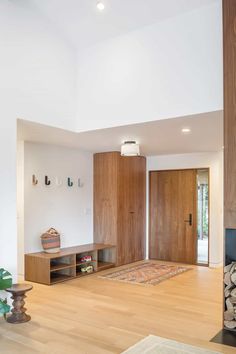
point(47, 181)
point(34, 180)
point(69, 182)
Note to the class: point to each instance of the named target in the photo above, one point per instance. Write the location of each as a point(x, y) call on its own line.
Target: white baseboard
point(20, 277)
point(216, 265)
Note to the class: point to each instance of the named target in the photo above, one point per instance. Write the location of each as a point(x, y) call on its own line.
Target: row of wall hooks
point(58, 181)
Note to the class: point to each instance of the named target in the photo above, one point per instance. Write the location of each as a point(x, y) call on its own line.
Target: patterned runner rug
point(146, 273)
point(153, 345)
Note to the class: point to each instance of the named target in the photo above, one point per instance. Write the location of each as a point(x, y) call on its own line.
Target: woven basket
point(51, 241)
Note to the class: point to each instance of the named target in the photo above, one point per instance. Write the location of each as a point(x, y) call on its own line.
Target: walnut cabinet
point(120, 204)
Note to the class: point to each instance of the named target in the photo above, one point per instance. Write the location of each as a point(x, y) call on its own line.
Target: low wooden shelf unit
point(51, 268)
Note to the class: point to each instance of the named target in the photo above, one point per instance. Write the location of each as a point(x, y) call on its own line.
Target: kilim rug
point(146, 273)
point(157, 345)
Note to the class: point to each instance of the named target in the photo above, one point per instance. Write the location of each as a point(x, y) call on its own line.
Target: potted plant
point(5, 282)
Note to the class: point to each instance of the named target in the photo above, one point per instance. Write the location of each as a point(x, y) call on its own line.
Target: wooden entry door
point(173, 216)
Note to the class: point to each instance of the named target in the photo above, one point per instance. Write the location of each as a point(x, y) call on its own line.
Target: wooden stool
point(18, 294)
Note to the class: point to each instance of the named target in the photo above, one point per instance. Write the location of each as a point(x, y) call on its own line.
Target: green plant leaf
point(5, 283)
point(4, 273)
point(4, 308)
point(5, 279)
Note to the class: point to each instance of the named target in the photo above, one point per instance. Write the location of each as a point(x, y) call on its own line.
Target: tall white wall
point(37, 71)
point(214, 161)
point(68, 209)
point(169, 69)
point(37, 68)
point(20, 206)
point(8, 223)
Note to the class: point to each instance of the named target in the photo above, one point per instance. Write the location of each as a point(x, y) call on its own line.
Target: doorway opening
point(203, 216)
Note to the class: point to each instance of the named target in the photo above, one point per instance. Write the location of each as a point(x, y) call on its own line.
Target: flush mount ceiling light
point(100, 6)
point(130, 148)
point(186, 130)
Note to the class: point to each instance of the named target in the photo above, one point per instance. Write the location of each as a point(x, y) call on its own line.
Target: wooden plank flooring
point(93, 315)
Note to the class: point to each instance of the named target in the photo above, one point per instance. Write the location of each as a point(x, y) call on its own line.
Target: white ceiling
point(156, 138)
point(84, 25)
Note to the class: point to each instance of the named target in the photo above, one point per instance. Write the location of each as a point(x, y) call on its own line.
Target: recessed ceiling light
point(100, 6)
point(186, 130)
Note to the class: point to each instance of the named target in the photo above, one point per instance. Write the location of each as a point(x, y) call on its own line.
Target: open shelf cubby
point(62, 262)
point(106, 259)
point(52, 268)
point(104, 265)
point(80, 273)
point(62, 275)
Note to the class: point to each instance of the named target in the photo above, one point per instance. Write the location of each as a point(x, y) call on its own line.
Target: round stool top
point(18, 288)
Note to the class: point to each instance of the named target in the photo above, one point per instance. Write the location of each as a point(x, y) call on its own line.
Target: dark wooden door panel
point(125, 205)
point(132, 209)
point(140, 208)
point(229, 22)
point(105, 197)
point(173, 198)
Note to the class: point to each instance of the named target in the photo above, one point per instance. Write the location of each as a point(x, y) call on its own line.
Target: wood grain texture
point(98, 316)
point(173, 196)
point(120, 204)
point(140, 208)
point(48, 269)
point(67, 251)
point(37, 269)
point(131, 210)
point(105, 197)
point(229, 43)
point(18, 292)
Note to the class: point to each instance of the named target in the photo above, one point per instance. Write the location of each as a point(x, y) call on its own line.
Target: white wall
point(214, 161)
point(68, 209)
point(37, 68)
point(8, 229)
point(37, 71)
point(20, 206)
point(169, 69)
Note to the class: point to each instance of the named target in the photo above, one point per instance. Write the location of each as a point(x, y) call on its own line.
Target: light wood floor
point(93, 315)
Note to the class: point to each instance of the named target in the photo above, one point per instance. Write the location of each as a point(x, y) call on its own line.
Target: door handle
point(190, 220)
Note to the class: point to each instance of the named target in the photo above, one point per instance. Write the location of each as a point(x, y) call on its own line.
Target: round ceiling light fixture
point(100, 6)
point(130, 148)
